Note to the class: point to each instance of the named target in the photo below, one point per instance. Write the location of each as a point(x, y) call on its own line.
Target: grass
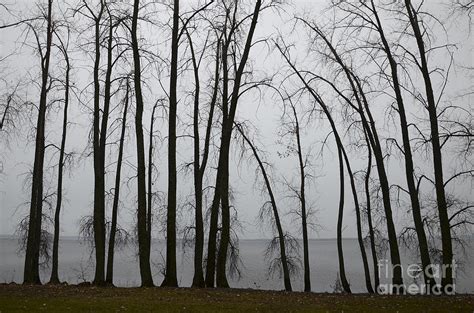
point(61, 298)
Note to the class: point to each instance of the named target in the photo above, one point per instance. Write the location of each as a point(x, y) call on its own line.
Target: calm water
point(75, 265)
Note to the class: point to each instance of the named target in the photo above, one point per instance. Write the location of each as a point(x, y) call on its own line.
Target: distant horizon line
point(77, 237)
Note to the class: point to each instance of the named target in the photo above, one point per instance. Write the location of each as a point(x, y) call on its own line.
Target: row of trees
point(369, 61)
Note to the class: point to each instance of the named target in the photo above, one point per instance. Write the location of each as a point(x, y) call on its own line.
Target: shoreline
point(87, 298)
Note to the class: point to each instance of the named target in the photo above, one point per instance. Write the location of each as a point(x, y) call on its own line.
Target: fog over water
point(75, 266)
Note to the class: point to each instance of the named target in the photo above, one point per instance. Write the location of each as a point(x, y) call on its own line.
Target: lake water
point(75, 265)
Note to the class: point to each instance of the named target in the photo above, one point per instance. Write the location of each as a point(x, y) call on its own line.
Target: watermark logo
point(414, 276)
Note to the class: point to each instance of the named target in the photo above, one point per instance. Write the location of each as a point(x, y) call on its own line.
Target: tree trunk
point(409, 168)
point(199, 167)
point(54, 279)
point(221, 276)
point(397, 278)
point(103, 134)
point(150, 173)
point(170, 274)
point(340, 145)
point(276, 215)
point(143, 240)
point(446, 241)
point(302, 197)
point(369, 216)
point(360, 239)
point(221, 279)
point(99, 170)
point(31, 270)
point(216, 201)
point(113, 226)
point(340, 251)
point(212, 240)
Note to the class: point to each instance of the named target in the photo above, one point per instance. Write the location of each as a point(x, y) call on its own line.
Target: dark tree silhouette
point(301, 192)
point(276, 215)
point(31, 270)
point(63, 47)
point(363, 109)
point(446, 241)
point(98, 147)
point(340, 146)
point(221, 196)
point(368, 207)
point(150, 170)
point(170, 272)
point(340, 215)
point(118, 173)
point(143, 234)
point(199, 167)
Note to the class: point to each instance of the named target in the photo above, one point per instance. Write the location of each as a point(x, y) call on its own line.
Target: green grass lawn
point(17, 298)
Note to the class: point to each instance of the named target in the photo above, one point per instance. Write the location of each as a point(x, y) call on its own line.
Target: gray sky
point(264, 112)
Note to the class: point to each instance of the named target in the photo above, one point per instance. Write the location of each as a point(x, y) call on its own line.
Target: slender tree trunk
point(150, 173)
point(276, 215)
point(31, 270)
point(340, 145)
point(113, 227)
point(221, 279)
point(216, 201)
point(143, 240)
point(369, 216)
point(99, 171)
point(397, 278)
point(340, 251)
point(199, 167)
point(170, 274)
point(446, 241)
point(409, 168)
point(198, 280)
point(360, 238)
point(54, 279)
point(212, 240)
point(302, 197)
point(102, 146)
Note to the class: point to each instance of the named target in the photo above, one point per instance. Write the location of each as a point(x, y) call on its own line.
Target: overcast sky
point(264, 112)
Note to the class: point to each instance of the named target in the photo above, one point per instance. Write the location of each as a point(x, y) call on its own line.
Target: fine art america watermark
point(414, 276)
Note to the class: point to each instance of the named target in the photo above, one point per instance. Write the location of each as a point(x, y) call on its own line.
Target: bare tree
point(368, 208)
point(373, 20)
point(340, 251)
point(362, 107)
point(340, 146)
point(199, 166)
point(98, 142)
point(221, 196)
point(285, 263)
point(151, 165)
point(31, 270)
point(447, 279)
point(143, 233)
point(170, 279)
point(170, 273)
point(294, 130)
point(63, 47)
point(118, 172)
